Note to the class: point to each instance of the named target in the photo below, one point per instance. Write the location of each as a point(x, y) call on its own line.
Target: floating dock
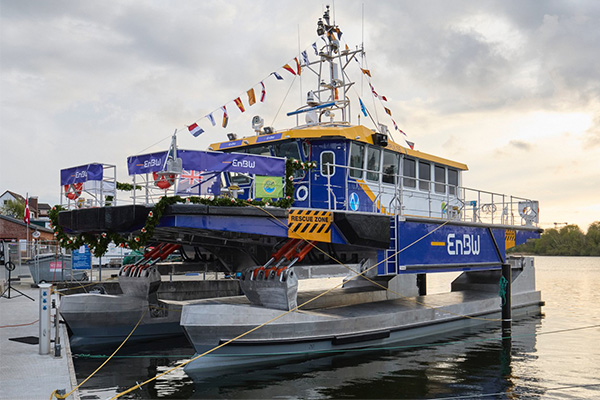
point(25, 374)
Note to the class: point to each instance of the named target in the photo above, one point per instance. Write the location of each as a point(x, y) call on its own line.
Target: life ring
point(73, 190)
point(163, 180)
point(302, 193)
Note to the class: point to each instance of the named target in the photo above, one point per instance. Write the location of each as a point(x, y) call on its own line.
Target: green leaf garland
point(98, 243)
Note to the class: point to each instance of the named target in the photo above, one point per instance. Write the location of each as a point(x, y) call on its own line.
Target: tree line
point(566, 241)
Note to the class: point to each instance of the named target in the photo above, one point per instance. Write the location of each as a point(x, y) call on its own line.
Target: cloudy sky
point(511, 88)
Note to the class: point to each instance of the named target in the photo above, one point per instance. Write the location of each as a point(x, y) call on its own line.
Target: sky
point(511, 88)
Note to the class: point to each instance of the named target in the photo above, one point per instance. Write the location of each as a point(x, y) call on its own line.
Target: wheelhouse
point(356, 172)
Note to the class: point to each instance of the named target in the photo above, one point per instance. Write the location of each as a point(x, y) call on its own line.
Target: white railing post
point(328, 187)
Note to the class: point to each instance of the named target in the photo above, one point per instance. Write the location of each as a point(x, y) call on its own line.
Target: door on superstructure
point(328, 179)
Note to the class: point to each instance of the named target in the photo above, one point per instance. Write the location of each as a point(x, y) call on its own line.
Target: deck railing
point(394, 197)
point(440, 200)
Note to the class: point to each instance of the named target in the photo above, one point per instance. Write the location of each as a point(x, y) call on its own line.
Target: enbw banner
point(82, 173)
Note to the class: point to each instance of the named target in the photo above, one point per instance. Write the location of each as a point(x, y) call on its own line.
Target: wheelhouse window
point(373, 163)
point(287, 149)
point(357, 160)
point(306, 149)
point(452, 181)
point(409, 167)
point(440, 179)
point(424, 175)
point(390, 167)
point(327, 157)
point(258, 150)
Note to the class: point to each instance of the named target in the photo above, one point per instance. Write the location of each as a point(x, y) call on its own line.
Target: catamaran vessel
point(348, 195)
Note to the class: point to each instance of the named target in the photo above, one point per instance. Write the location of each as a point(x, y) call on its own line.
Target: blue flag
point(211, 119)
point(279, 77)
point(305, 57)
point(362, 107)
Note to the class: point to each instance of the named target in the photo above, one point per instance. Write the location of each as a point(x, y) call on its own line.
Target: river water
point(555, 356)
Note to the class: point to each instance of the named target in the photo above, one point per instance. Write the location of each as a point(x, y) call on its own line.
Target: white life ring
point(302, 193)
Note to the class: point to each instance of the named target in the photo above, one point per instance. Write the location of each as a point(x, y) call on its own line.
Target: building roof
point(22, 223)
point(44, 206)
point(15, 195)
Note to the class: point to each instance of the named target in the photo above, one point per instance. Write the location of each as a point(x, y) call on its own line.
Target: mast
point(329, 103)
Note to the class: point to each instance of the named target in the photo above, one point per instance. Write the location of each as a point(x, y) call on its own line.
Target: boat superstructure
point(389, 213)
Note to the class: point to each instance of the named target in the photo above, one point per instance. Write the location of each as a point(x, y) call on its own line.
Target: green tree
point(568, 241)
point(14, 208)
point(572, 241)
point(592, 239)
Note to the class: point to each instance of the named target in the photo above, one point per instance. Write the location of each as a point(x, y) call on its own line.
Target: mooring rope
point(59, 396)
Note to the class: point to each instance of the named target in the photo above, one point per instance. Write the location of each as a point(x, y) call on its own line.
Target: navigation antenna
point(329, 103)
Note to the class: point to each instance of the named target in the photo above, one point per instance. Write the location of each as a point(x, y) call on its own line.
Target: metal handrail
point(483, 204)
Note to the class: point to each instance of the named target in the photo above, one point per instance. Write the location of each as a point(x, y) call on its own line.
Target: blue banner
point(82, 173)
point(268, 138)
point(233, 143)
point(204, 161)
point(146, 163)
point(450, 244)
point(232, 162)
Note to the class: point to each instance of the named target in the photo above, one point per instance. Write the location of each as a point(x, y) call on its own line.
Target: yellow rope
point(58, 291)
point(58, 396)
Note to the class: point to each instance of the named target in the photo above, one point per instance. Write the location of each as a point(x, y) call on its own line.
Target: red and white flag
point(377, 95)
point(264, 92)
point(26, 217)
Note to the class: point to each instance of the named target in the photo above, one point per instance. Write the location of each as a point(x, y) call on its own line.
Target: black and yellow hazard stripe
point(310, 225)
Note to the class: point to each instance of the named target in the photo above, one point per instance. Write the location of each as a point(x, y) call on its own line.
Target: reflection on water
point(471, 362)
point(467, 362)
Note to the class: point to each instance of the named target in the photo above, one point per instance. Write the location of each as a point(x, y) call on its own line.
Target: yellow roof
point(356, 132)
